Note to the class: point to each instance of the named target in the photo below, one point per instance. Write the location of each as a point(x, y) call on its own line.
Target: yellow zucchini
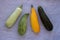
point(34, 20)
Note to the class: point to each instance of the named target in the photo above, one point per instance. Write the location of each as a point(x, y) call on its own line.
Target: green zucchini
point(22, 26)
point(44, 18)
point(13, 17)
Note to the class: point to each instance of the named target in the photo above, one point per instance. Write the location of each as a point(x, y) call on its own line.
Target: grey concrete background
point(52, 9)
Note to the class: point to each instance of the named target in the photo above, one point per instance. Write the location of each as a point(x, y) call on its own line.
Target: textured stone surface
point(52, 9)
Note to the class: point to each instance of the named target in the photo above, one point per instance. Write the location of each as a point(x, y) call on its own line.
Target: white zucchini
point(13, 17)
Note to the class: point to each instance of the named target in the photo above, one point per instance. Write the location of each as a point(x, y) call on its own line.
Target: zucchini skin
point(44, 18)
point(22, 25)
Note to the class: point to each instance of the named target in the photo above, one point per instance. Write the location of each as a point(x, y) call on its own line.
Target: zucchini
point(34, 20)
point(13, 17)
point(44, 18)
point(22, 25)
